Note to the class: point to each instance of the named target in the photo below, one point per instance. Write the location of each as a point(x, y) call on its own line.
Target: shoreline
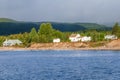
point(111, 46)
point(38, 49)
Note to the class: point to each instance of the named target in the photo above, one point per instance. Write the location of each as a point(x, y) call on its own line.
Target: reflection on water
point(59, 65)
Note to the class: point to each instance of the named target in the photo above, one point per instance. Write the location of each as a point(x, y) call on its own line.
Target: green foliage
point(43, 39)
point(116, 30)
point(8, 27)
point(23, 37)
point(45, 29)
point(26, 39)
point(47, 33)
point(2, 39)
point(95, 35)
point(42, 29)
point(94, 26)
point(34, 35)
point(65, 36)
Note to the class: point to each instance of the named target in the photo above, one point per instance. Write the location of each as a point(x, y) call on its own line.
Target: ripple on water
point(60, 65)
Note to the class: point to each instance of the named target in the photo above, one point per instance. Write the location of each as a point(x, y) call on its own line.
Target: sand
point(112, 45)
point(32, 49)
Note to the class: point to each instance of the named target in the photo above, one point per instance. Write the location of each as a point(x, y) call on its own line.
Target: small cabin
point(85, 39)
point(74, 37)
point(11, 42)
point(111, 37)
point(56, 40)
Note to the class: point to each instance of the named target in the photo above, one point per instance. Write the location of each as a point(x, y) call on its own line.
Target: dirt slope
point(59, 45)
point(113, 44)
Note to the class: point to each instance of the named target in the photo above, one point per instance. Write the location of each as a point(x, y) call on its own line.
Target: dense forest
point(9, 26)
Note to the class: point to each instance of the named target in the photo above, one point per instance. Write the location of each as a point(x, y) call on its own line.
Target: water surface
point(60, 65)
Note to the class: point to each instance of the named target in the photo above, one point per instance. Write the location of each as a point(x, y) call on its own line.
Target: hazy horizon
point(93, 11)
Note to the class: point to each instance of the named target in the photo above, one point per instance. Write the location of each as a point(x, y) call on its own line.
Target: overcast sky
point(100, 11)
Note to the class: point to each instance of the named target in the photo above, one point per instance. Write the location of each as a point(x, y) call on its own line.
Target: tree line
point(46, 34)
point(116, 30)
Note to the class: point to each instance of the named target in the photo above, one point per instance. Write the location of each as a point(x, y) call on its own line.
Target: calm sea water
point(59, 65)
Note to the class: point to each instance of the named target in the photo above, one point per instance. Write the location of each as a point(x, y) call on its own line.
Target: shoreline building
point(74, 37)
point(111, 37)
point(56, 40)
point(11, 42)
point(86, 39)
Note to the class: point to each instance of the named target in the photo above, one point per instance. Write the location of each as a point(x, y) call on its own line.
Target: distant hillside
point(94, 26)
point(20, 27)
point(6, 20)
point(9, 26)
point(71, 27)
point(110, 24)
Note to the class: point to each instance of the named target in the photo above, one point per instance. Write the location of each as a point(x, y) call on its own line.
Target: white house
point(56, 40)
point(85, 39)
point(111, 37)
point(74, 37)
point(11, 42)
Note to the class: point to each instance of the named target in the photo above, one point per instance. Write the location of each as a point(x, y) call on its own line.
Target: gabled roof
point(73, 35)
point(13, 41)
point(110, 35)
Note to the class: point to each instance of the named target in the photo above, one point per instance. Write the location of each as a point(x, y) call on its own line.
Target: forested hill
point(7, 20)
point(94, 26)
point(13, 27)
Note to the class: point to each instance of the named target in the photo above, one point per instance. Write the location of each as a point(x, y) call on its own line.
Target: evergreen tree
point(45, 32)
point(116, 29)
point(26, 39)
point(57, 34)
point(33, 35)
point(41, 29)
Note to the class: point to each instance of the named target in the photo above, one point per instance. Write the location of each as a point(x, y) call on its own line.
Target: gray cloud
point(61, 10)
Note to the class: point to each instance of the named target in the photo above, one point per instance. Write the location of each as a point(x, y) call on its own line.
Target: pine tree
point(45, 32)
point(41, 29)
point(116, 29)
point(33, 35)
